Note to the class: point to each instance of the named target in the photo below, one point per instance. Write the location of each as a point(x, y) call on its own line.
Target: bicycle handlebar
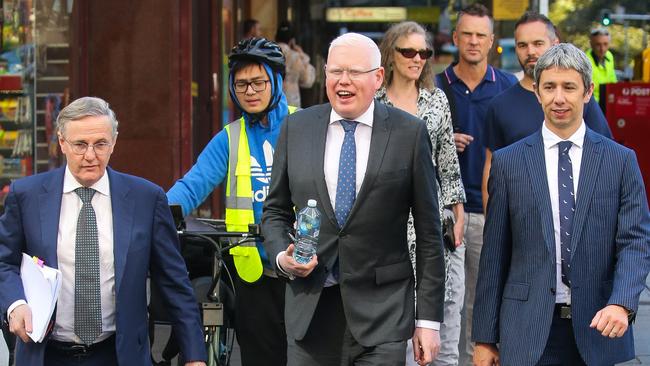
point(246, 238)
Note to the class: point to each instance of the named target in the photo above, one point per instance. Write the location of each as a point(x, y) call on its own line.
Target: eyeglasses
point(80, 148)
point(411, 52)
point(353, 74)
point(257, 85)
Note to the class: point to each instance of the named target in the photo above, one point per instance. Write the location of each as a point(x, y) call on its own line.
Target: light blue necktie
point(567, 207)
point(347, 179)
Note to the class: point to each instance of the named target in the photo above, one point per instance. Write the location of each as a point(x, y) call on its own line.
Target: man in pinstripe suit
point(566, 242)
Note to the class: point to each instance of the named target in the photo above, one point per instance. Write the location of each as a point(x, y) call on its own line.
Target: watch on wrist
point(631, 316)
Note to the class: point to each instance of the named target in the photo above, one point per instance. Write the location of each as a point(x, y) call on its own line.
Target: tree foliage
point(575, 19)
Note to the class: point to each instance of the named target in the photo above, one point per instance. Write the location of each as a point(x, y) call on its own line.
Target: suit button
point(342, 235)
point(553, 290)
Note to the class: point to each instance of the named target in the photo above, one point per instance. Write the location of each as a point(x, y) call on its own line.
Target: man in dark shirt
point(470, 84)
point(516, 113)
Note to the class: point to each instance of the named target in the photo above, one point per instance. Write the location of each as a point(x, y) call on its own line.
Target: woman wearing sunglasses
point(408, 85)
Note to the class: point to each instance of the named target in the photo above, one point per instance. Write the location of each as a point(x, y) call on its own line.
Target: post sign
point(627, 108)
point(629, 100)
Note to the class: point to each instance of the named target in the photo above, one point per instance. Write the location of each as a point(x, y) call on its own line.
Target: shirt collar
point(70, 183)
point(490, 74)
point(551, 139)
point(366, 117)
point(602, 61)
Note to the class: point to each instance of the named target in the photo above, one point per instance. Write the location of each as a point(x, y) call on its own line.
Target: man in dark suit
point(106, 231)
point(567, 235)
point(368, 166)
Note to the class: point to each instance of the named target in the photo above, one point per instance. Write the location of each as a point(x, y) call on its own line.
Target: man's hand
point(462, 140)
point(289, 265)
point(611, 321)
point(20, 322)
point(195, 363)
point(426, 345)
point(486, 354)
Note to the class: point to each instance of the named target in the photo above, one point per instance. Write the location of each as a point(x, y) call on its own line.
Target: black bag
point(448, 233)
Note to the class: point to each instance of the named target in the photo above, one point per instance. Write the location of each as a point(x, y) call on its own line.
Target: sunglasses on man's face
point(411, 52)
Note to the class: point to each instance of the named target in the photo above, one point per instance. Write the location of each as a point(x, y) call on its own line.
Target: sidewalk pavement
point(4, 354)
point(642, 330)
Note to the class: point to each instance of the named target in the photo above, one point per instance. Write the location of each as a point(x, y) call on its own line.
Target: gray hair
point(564, 56)
point(85, 107)
point(359, 41)
point(599, 32)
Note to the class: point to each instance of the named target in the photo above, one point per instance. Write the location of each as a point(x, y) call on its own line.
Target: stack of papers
point(42, 285)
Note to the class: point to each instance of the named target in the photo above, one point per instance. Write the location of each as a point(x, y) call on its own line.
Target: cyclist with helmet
point(240, 156)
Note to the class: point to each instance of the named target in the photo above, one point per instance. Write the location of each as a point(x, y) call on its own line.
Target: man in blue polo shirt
point(516, 113)
point(470, 85)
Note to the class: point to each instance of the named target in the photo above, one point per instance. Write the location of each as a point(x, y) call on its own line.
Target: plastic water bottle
point(308, 228)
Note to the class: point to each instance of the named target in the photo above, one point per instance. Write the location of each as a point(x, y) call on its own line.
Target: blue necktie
point(567, 207)
point(347, 179)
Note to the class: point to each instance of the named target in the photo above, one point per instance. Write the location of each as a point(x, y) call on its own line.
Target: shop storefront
point(161, 65)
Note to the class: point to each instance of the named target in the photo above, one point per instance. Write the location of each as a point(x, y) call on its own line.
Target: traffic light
point(605, 17)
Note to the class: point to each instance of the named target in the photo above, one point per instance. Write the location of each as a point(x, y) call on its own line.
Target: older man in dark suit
point(106, 232)
point(367, 165)
point(567, 234)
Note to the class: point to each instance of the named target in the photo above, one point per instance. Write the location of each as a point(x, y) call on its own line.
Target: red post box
point(627, 109)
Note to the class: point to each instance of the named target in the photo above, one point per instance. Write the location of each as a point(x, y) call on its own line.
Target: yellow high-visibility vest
point(602, 73)
point(239, 200)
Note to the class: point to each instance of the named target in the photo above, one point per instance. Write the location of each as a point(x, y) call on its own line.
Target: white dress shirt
point(335, 135)
point(333, 144)
point(551, 141)
point(65, 251)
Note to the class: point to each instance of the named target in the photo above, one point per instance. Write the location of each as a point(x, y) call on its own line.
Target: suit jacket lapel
point(537, 171)
point(589, 168)
point(49, 203)
point(379, 141)
point(319, 137)
point(123, 208)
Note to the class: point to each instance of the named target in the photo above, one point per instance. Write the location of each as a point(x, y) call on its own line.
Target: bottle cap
point(311, 203)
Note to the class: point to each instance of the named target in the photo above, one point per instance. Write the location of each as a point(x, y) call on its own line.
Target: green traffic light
point(605, 18)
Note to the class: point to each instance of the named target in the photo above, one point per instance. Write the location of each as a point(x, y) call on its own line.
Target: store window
point(34, 69)
point(16, 93)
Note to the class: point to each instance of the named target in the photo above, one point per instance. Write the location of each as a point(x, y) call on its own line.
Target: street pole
point(626, 61)
point(626, 18)
point(543, 7)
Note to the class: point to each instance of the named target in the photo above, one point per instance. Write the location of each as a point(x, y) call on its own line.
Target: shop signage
point(370, 14)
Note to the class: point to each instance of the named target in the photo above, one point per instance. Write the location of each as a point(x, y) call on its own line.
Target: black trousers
point(10, 340)
point(561, 348)
point(329, 342)
point(259, 321)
